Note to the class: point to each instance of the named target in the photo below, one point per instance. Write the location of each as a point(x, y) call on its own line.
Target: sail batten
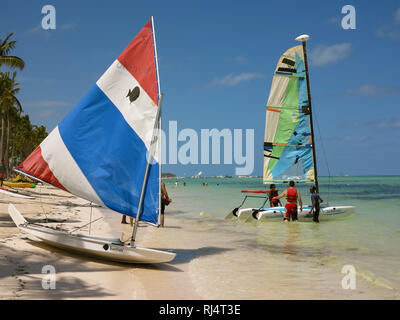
point(287, 143)
point(99, 151)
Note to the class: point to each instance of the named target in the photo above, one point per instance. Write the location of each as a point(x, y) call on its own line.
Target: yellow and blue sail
point(288, 140)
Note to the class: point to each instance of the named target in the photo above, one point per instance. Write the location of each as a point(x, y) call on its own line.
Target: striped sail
point(287, 141)
point(98, 152)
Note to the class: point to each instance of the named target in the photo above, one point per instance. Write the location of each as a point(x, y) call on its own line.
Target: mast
point(153, 143)
point(145, 178)
point(160, 124)
point(303, 39)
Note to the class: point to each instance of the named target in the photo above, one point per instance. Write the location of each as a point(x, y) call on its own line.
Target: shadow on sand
point(182, 256)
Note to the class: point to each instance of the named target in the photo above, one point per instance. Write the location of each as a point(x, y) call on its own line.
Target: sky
point(216, 61)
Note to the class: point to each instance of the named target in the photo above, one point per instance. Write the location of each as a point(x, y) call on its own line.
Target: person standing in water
point(165, 200)
point(292, 196)
point(123, 221)
point(315, 200)
point(273, 192)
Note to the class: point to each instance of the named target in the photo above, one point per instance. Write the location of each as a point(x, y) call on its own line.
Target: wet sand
point(202, 269)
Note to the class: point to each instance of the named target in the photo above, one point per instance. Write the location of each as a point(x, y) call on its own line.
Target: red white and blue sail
point(98, 152)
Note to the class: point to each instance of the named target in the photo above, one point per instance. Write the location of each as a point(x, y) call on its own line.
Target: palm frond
point(12, 61)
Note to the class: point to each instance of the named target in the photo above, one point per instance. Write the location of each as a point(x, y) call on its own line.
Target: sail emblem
point(133, 94)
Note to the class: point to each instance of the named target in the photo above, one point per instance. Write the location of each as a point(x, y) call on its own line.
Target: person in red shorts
point(292, 196)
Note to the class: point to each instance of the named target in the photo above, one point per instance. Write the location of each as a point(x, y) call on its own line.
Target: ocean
point(291, 254)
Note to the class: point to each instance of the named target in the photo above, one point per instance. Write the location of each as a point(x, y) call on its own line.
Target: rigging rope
point(324, 153)
point(41, 203)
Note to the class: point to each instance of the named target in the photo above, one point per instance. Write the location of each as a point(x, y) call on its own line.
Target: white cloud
point(387, 124)
point(342, 139)
point(397, 16)
point(388, 32)
point(46, 114)
point(335, 21)
point(369, 90)
point(38, 28)
point(68, 26)
point(47, 104)
point(232, 80)
point(392, 30)
point(34, 29)
point(323, 55)
point(240, 59)
point(393, 123)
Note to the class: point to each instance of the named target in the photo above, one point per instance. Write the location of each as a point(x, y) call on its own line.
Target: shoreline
point(208, 264)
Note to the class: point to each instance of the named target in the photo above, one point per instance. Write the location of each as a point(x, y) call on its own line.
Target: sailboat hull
point(104, 248)
point(14, 194)
point(278, 213)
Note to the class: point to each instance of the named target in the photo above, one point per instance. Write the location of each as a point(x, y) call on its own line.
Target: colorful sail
point(98, 152)
point(287, 141)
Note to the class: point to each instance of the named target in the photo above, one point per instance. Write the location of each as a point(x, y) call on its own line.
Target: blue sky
point(216, 62)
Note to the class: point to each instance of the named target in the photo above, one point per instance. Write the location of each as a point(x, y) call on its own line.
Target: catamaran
point(107, 151)
point(289, 145)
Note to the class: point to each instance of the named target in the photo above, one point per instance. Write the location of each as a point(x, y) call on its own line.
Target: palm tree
point(6, 46)
point(7, 88)
point(8, 102)
point(18, 137)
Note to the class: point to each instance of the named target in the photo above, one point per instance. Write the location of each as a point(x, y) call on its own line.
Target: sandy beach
point(78, 277)
point(200, 271)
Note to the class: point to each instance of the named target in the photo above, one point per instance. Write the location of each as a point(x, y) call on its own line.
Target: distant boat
point(107, 151)
point(198, 175)
point(289, 148)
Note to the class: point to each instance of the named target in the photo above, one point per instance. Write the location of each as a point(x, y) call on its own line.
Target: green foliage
point(18, 137)
point(6, 46)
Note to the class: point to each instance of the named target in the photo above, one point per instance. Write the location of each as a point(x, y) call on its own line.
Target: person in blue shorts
point(315, 200)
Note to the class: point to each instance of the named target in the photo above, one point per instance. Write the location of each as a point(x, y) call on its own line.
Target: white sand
point(198, 272)
point(77, 277)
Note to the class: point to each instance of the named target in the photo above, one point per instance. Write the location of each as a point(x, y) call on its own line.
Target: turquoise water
point(369, 239)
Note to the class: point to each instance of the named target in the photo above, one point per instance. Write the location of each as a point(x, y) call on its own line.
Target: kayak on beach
point(19, 184)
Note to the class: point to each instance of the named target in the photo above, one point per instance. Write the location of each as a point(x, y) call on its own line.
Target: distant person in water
point(273, 192)
point(292, 196)
point(165, 200)
point(315, 200)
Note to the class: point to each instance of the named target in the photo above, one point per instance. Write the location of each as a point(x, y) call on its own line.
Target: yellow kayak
point(20, 178)
point(18, 184)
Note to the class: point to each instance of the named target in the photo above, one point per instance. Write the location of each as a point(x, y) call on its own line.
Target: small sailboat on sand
point(107, 151)
point(289, 145)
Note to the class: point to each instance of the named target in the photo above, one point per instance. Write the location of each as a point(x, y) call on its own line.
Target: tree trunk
point(6, 153)
point(2, 140)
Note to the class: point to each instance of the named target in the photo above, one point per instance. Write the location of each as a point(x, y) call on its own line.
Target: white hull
point(15, 194)
point(326, 213)
point(110, 249)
